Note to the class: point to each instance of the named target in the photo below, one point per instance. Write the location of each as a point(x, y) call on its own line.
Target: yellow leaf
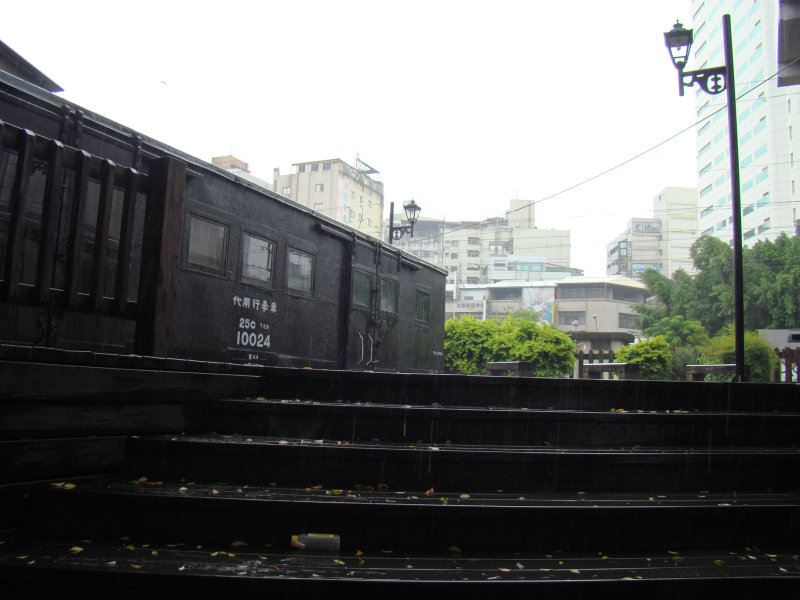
point(677, 558)
point(130, 547)
point(69, 486)
point(238, 544)
point(359, 553)
point(137, 566)
point(505, 570)
point(520, 566)
point(464, 496)
point(57, 484)
point(154, 553)
point(719, 562)
point(338, 562)
point(574, 571)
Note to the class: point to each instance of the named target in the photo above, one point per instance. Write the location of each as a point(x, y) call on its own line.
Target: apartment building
point(338, 190)
point(768, 121)
point(507, 247)
point(661, 242)
point(572, 304)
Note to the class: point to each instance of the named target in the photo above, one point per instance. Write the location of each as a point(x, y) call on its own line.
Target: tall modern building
point(768, 123)
point(338, 190)
point(660, 242)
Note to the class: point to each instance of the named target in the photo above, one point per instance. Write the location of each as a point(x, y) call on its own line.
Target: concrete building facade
point(477, 252)
point(768, 124)
point(338, 190)
point(571, 304)
point(661, 242)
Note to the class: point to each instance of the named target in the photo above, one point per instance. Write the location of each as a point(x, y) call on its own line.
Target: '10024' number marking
point(255, 340)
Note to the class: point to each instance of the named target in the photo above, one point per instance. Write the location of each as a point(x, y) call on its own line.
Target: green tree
point(685, 339)
point(469, 344)
point(550, 351)
point(652, 356)
point(711, 301)
point(672, 296)
point(771, 285)
point(678, 332)
point(466, 345)
point(760, 360)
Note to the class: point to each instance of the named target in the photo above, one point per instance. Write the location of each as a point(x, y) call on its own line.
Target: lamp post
point(412, 210)
point(715, 80)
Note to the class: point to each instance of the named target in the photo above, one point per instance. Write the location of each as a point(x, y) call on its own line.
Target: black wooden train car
point(113, 242)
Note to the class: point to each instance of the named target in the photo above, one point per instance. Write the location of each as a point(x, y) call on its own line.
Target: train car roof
point(152, 148)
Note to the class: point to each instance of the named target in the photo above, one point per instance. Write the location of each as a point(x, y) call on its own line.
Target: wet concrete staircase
point(176, 481)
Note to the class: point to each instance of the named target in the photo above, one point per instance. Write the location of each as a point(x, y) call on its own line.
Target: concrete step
point(133, 568)
point(414, 521)
point(293, 462)
point(434, 424)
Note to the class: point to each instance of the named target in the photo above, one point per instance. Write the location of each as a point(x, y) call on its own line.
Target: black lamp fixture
point(412, 211)
point(715, 80)
point(679, 42)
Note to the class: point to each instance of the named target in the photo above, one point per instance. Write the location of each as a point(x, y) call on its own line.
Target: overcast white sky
point(461, 105)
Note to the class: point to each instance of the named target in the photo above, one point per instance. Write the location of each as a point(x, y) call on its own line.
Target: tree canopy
point(771, 286)
point(652, 357)
point(469, 344)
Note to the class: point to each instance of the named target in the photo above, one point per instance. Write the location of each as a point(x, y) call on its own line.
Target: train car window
point(207, 242)
point(63, 240)
point(422, 307)
point(388, 295)
point(114, 233)
point(361, 286)
point(8, 170)
point(33, 221)
point(87, 236)
point(257, 259)
point(300, 272)
point(138, 240)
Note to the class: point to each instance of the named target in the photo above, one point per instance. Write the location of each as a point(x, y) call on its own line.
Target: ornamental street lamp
point(715, 80)
point(411, 209)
